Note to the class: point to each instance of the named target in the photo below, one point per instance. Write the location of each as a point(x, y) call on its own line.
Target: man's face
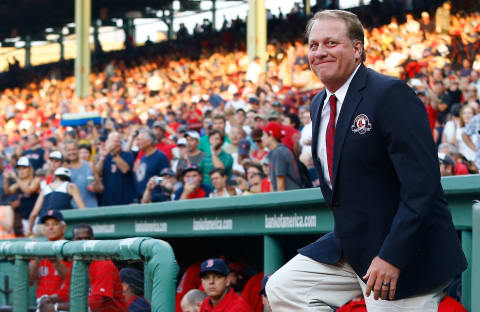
point(192, 144)
point(187, 307)
point(32, 140)
point(159, 133)
point(253, 176)
point(54, 163)
point(215, 141)
point(267, 139)
point(143, 141)
point(218, 124)
point(193, 177)
point(332, 54)
point(218, 180)
point(82, 234)
point(235, 135)
point(71, 152)
point(53, 229)
point(215, 284)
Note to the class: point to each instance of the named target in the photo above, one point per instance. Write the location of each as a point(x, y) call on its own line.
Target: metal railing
point(161, 268)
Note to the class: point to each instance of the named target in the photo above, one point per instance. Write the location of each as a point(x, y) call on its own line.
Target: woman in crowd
point(57, 195)
point(27, 186)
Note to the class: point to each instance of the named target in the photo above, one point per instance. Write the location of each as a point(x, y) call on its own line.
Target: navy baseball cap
point(167, 171)
point(52, 213)
point(264, 284)
point(214, 265)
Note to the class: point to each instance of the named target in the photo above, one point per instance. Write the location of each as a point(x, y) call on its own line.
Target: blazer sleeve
point(404, 124)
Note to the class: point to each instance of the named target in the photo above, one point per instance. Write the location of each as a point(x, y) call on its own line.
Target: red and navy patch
point(361, 124)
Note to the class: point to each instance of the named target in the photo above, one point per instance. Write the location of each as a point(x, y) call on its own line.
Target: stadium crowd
point(178, 127)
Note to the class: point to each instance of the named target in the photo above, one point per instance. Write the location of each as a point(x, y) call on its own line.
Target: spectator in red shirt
point(215, 281)
point(190, 280)
point(253, 293)
point(50, 274)
point(106, 294)
point(193, 186)
point(164, 144)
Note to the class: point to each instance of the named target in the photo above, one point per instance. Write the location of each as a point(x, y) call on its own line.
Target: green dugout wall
point(269, 226)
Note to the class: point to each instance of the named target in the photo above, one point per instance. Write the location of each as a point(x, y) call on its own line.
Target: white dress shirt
point(325, 117)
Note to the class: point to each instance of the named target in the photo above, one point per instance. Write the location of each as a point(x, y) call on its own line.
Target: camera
point(158, 180)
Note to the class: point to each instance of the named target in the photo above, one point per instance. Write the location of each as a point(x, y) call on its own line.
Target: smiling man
point(393, 241)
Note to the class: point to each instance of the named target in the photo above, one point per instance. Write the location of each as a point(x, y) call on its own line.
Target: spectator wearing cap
point(106, 293)
point(192, 301)
point(219, 178)
point(57, 195)
point(193, 186)
point(216, 283)
point(35, 153)
point(132, 285)
point(26, 186)
point(152, 116)
point(190, 155)
point(219, 123)
point(160, 188)
point(283, 170)
point(243, 153)
point(55, 161)
point(151, 163)
point(446, 165)
point(116, 169)
point(83, 174)
point(217, 158)
point(164, 144)
point(50, 274)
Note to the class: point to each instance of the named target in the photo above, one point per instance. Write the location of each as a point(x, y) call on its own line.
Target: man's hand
point(382, 277)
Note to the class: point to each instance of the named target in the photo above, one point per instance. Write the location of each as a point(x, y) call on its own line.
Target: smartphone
point(158, 180)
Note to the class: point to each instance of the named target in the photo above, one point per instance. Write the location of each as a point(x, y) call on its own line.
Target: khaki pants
point(306, 285)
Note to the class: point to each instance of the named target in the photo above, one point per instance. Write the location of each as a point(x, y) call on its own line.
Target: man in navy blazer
point(393, 241)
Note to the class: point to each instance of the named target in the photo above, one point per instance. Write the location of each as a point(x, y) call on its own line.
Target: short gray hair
point(193, 296)
point(354, 26)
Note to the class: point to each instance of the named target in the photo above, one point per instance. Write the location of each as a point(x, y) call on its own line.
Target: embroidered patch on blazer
point(361, 124)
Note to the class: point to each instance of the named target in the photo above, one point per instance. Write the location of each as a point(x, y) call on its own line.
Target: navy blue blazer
point(387, 199)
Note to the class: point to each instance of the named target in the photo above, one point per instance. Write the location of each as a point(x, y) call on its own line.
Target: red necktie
point(330, 135)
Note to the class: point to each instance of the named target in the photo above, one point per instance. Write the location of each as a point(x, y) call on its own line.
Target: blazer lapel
point(318, 102)
point(349, 106)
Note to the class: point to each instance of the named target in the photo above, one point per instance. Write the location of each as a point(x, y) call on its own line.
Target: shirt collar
point(341, 93)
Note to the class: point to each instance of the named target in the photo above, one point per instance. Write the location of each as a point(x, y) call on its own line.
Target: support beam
point(475, 263)
point(28, 51)
point(257, 30)
point(83, 15)
point(272, 254)
point(62, 47)
point(307, 8)
point(170, 23)
point(214, 15)
point(467, 274)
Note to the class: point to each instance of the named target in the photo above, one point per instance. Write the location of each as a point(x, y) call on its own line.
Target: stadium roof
point(32, 17)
